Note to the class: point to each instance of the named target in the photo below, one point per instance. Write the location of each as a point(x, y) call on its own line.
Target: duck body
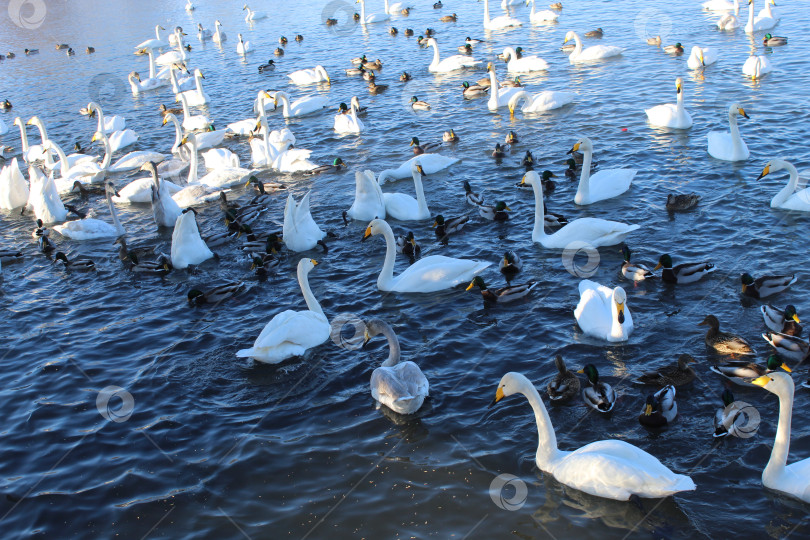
point(766, 285)
point(660, 408)
point(790, 347)
point(564, 385)
point(723, 342)
point(679, 374)
point(683, 273)
point(781, 321)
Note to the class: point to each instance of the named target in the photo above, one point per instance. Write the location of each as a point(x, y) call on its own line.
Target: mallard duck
point(634, 272)
point(766, 285)
point(408, 32)
point(299, 38)
point(45, 245)
point(376, 65)
point(336, 166)
point(5, 105)
point(10, 55)
point(438, 5)
point(683, 273)
point(450, 226)
point(731, 419)
point(494, 213)
point(449, 18)
point(61, 46)
point(429, 32)
point(450, 136)
point(528, 161)
point(31, 51)
point(282, 40)
point(215, 295)
point(594, 33)
point(271, 245)
point(375, 88)
point(723, 342)
point(90, 50)
point(81, 265)
point(551, 220)
point(556, 5)
point(504, 295)
point(680, 202)
point(264, 265)
point(565, 383)
point(546, 180)
point(71, 52)
point(279, 51)
point(331, 22)
point(80, 214)
point(654, 41)
point(393, 31)
point(677, 374)
point(599, 396)
point(500, 151)
point(774, 41)
point(419, 149)
point(40, 230)
point(510, 265)
point(466, 49)
point(358, 60)
point(473, 198)
point(262, 197)
point(791, 347)
point(676, 49)
point(783, 322)
point(356, 17)
point(473, 90)
point(368, 75)
point(271, 64)
point(571, 171)
point(405, 11)
point(406, 244)
point(511, 83)
point(660, 408)
point(511, 138)
point(160, 267)
point(740, 371)
point(405, 77)
point(124, 250)
point(418, 105)
point(85, 190)
point(8, 256)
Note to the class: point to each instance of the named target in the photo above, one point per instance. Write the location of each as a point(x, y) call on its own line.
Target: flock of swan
point(612, 468)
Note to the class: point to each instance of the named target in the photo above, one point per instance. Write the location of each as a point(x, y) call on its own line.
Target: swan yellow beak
point(796, 318)
point(565, 40)
point(367, 233)
point(742, 113)
point(620, 311)
point(765, 171)
point(511, 110)
point(761, 381)
point(498, 396)
point(523, 180)
point(328, 80)
point(95, 137)
point(184, 140)
point(678, 88)
point(786, 368)
point(574, 149)
point(314, 262)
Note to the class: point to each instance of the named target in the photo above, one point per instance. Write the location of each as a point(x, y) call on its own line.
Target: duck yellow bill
point(647, 410)
point(581, 370)
point(657, 266)
point(470, 286)
point(786, 368)
point(796, 318)
point(761, 381)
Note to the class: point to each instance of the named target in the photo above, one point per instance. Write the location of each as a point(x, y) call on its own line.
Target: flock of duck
point(612, 468)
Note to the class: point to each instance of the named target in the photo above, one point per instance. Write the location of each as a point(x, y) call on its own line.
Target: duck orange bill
point(498, 396)
point(470, 286)
point(657, 266)
point(786, 368)
point(647, 410)
point(366, 234)
point(796, 318)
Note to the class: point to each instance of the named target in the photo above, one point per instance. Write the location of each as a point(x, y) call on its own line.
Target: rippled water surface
point(221, 447)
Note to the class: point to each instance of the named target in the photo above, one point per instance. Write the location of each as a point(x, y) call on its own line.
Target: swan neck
point(23, 138)
point(435, 54)
point(285, 104)
point(100, 113)
point(178, 134)
point(486, 13)
point(584, 188)
point(493, 90)
point(198, 81)
point(118, 227)
point(735, 130)
point(790, 188)
point(534, 6)
point(387, 273)
point(539, 212)
point(781, 445)
point(303, 281)
point(578, 47)
point(105, 163)
point(63, 171)
point(679, 103)
point(547, 439)
point(186, 113)
point(393, 347)
point(362, 12)
point(420, 196)
point(192, 169)
point(152, 68)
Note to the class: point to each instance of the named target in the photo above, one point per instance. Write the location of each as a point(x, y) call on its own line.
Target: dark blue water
point(214, 446)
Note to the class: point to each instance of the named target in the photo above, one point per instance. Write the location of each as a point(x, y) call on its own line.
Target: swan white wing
point(595, 231)
point(526, 64)
point(549, 100)
point(596, 52)
point(800, 200)
point(401, 206)
point(187, 246)
point(606, 184)
point(288, 334)
point(14, 190)
point(193, 195)
point(368, 198)
point(225, 177)
point(140, 191)
point(308, 105)
point(721, 146)
point(436, 273)
point(218, 158)
point(208, 139)
point(134, 160)
point(86, 229)
point(164, 208)
point(593, 314)
point(242, 127)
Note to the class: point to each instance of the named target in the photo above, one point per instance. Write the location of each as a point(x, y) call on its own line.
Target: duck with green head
point(406, 244)
point(216, 294)
point(766, 285)
point(474, 90)
point(774, 41)
point(742, 372)
point(419, 149)
point(510, 265)
point(498, 212)
point(633, 271)
point(504, 295)
point(683, 273)
point(473, 198)
point(660, 408)
point(598, 395)
point(783, 321)
point(336, 166)
point(445, 227)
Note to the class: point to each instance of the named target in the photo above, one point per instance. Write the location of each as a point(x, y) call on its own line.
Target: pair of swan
point(757, 66)
point(547, 100)
point(499, 23)
point(369, 202)
point(428, 274)
point(309, 76)
point(604, 184)
point(31, 153)
point(585, 231)
point(188, 247)
point(788, 198)
point(499, 97)
point(14, 190)
point(346, 120)
point(372, 18)
point(47, 155)
point(292, 333)
point(602, 313)
point(196, 97)
point(765, 20)
point(400, 386)
point(300, 107)
point(404, 207)
point(89, 172)
point(451, 63)
point(278, 155)
point(612, 469)
point(114, 128)
point(44, 198)
point(523, 64)
point(729, 146)
point(592, 53)
point(300, 232)
point(669, 115)
point(92, 228)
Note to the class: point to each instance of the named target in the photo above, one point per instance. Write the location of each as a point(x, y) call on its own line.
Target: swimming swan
point(602, 313)
point(604, 184)
point(669, 115)
point(729, 146)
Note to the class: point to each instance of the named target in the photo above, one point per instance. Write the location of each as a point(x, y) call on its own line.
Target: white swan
point(400, 386)
point(44, 198)
point(499, 23)
point(106, 124)
point(191, 123)
point(788, 198)
point(134, 160)
point(205, 139)
point(594, 52)
point(253, 15)
point(431, 164)
point(768, 12)
point(759, 22)
point(524, 64)
point(300, 232)
point(181, 85)
point(612, 469)
point(86, 172)
point(72, 159)
point(188, 247)
point(728, 22)
point(593, 232)
point(247, 126)
point(604, 184)
point(428, 274)
point(701, 57)
point(189, 6)
point(368, 198)
point(729, 146)
point(299, 107)
point(173, 57)
point(395, 8)
point(542, 17)
point(243, 47)
point(138, 86)
point(92, 228)
point(292, 333)
point(404, 207)
point(309, 76)
point(139, 191)
point(451, 63)
point(374, 17)
point(218, 158)
point(669, 115)
point(13, 187)
point(793, 479)
point(165, 210)
point(757, 66)
point(30, 153)
point(154, 43)
point(602, 313)
point(198, 96)
point(176, 37)
point(346, 121)
point(499, 97)
point(220, 178)
point(219, 35)
point(265, 152)
point(540, 102)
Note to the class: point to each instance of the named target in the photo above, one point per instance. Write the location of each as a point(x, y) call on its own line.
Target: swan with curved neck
point(729, 145)
point(604, 184)
point(92, 228)
point(373, 18)
point(428, 274)
point(196, 96)
point(498, 23)
point(30, 153)
point(499, 97)
point(788, 198)
point(669, 115)
point(757, 22)
point(594, 231)
point(299, 107)
point(106, 124)
point(542, 17)
point(602, 312)
point(793, 479)
point(404, 207)
point(612, 469)
point(451, 63)
point(595, 52)
point(540, 102)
